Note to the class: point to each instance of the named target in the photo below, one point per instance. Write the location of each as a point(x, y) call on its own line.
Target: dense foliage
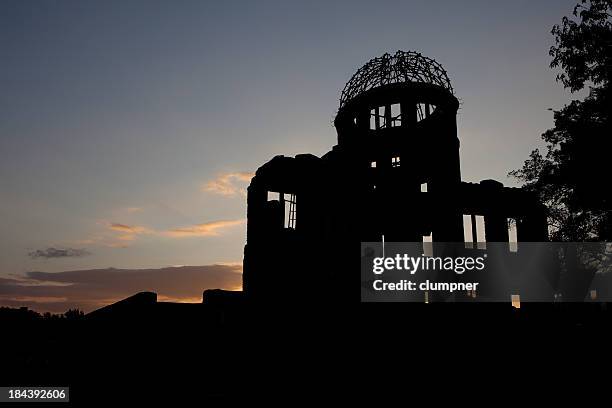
point(573, 176)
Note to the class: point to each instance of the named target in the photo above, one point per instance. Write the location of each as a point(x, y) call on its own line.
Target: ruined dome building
point(394, 173)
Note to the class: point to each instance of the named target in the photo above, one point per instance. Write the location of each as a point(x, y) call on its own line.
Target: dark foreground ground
point(198, 351)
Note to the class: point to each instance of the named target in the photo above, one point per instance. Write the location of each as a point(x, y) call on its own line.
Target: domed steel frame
point(389, 69)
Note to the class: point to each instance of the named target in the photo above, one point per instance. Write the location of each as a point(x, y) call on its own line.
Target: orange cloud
point(122, 235)
point(203, 230)
point(128, 233)
point(129, 229)
point(228, 184)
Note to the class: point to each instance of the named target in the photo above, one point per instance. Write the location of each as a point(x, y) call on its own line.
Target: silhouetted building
point(395, 172)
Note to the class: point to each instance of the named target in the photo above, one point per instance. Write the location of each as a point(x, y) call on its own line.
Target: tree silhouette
point(572, 178)
point(74, 314)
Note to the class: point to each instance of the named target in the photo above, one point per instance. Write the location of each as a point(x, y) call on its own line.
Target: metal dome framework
point(390, 69)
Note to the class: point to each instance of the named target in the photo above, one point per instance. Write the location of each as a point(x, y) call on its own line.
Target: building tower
point(397, 120)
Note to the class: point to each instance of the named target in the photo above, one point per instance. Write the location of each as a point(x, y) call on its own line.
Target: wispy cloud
point(91, 289)
point(127, 233)
point(229, 184)
point(120, 235)
point(207, 229)
point(130, 229)
point(50, 253)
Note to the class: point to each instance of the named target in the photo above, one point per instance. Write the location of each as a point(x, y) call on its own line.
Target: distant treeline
point(25, 314)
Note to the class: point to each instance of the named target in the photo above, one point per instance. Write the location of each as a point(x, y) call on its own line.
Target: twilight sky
point(129, 129)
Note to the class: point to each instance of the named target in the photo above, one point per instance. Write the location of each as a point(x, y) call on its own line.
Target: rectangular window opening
point(481, 239)
point(516, 301)
point(512, 235)
point(420, 111)
point(396, 115)
point(474, 231)
point(273, 196)
point(378, 119)
point(290, 213)
point(423, 187)
point(467, 231)
point(395, 161)
point(428, 245)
